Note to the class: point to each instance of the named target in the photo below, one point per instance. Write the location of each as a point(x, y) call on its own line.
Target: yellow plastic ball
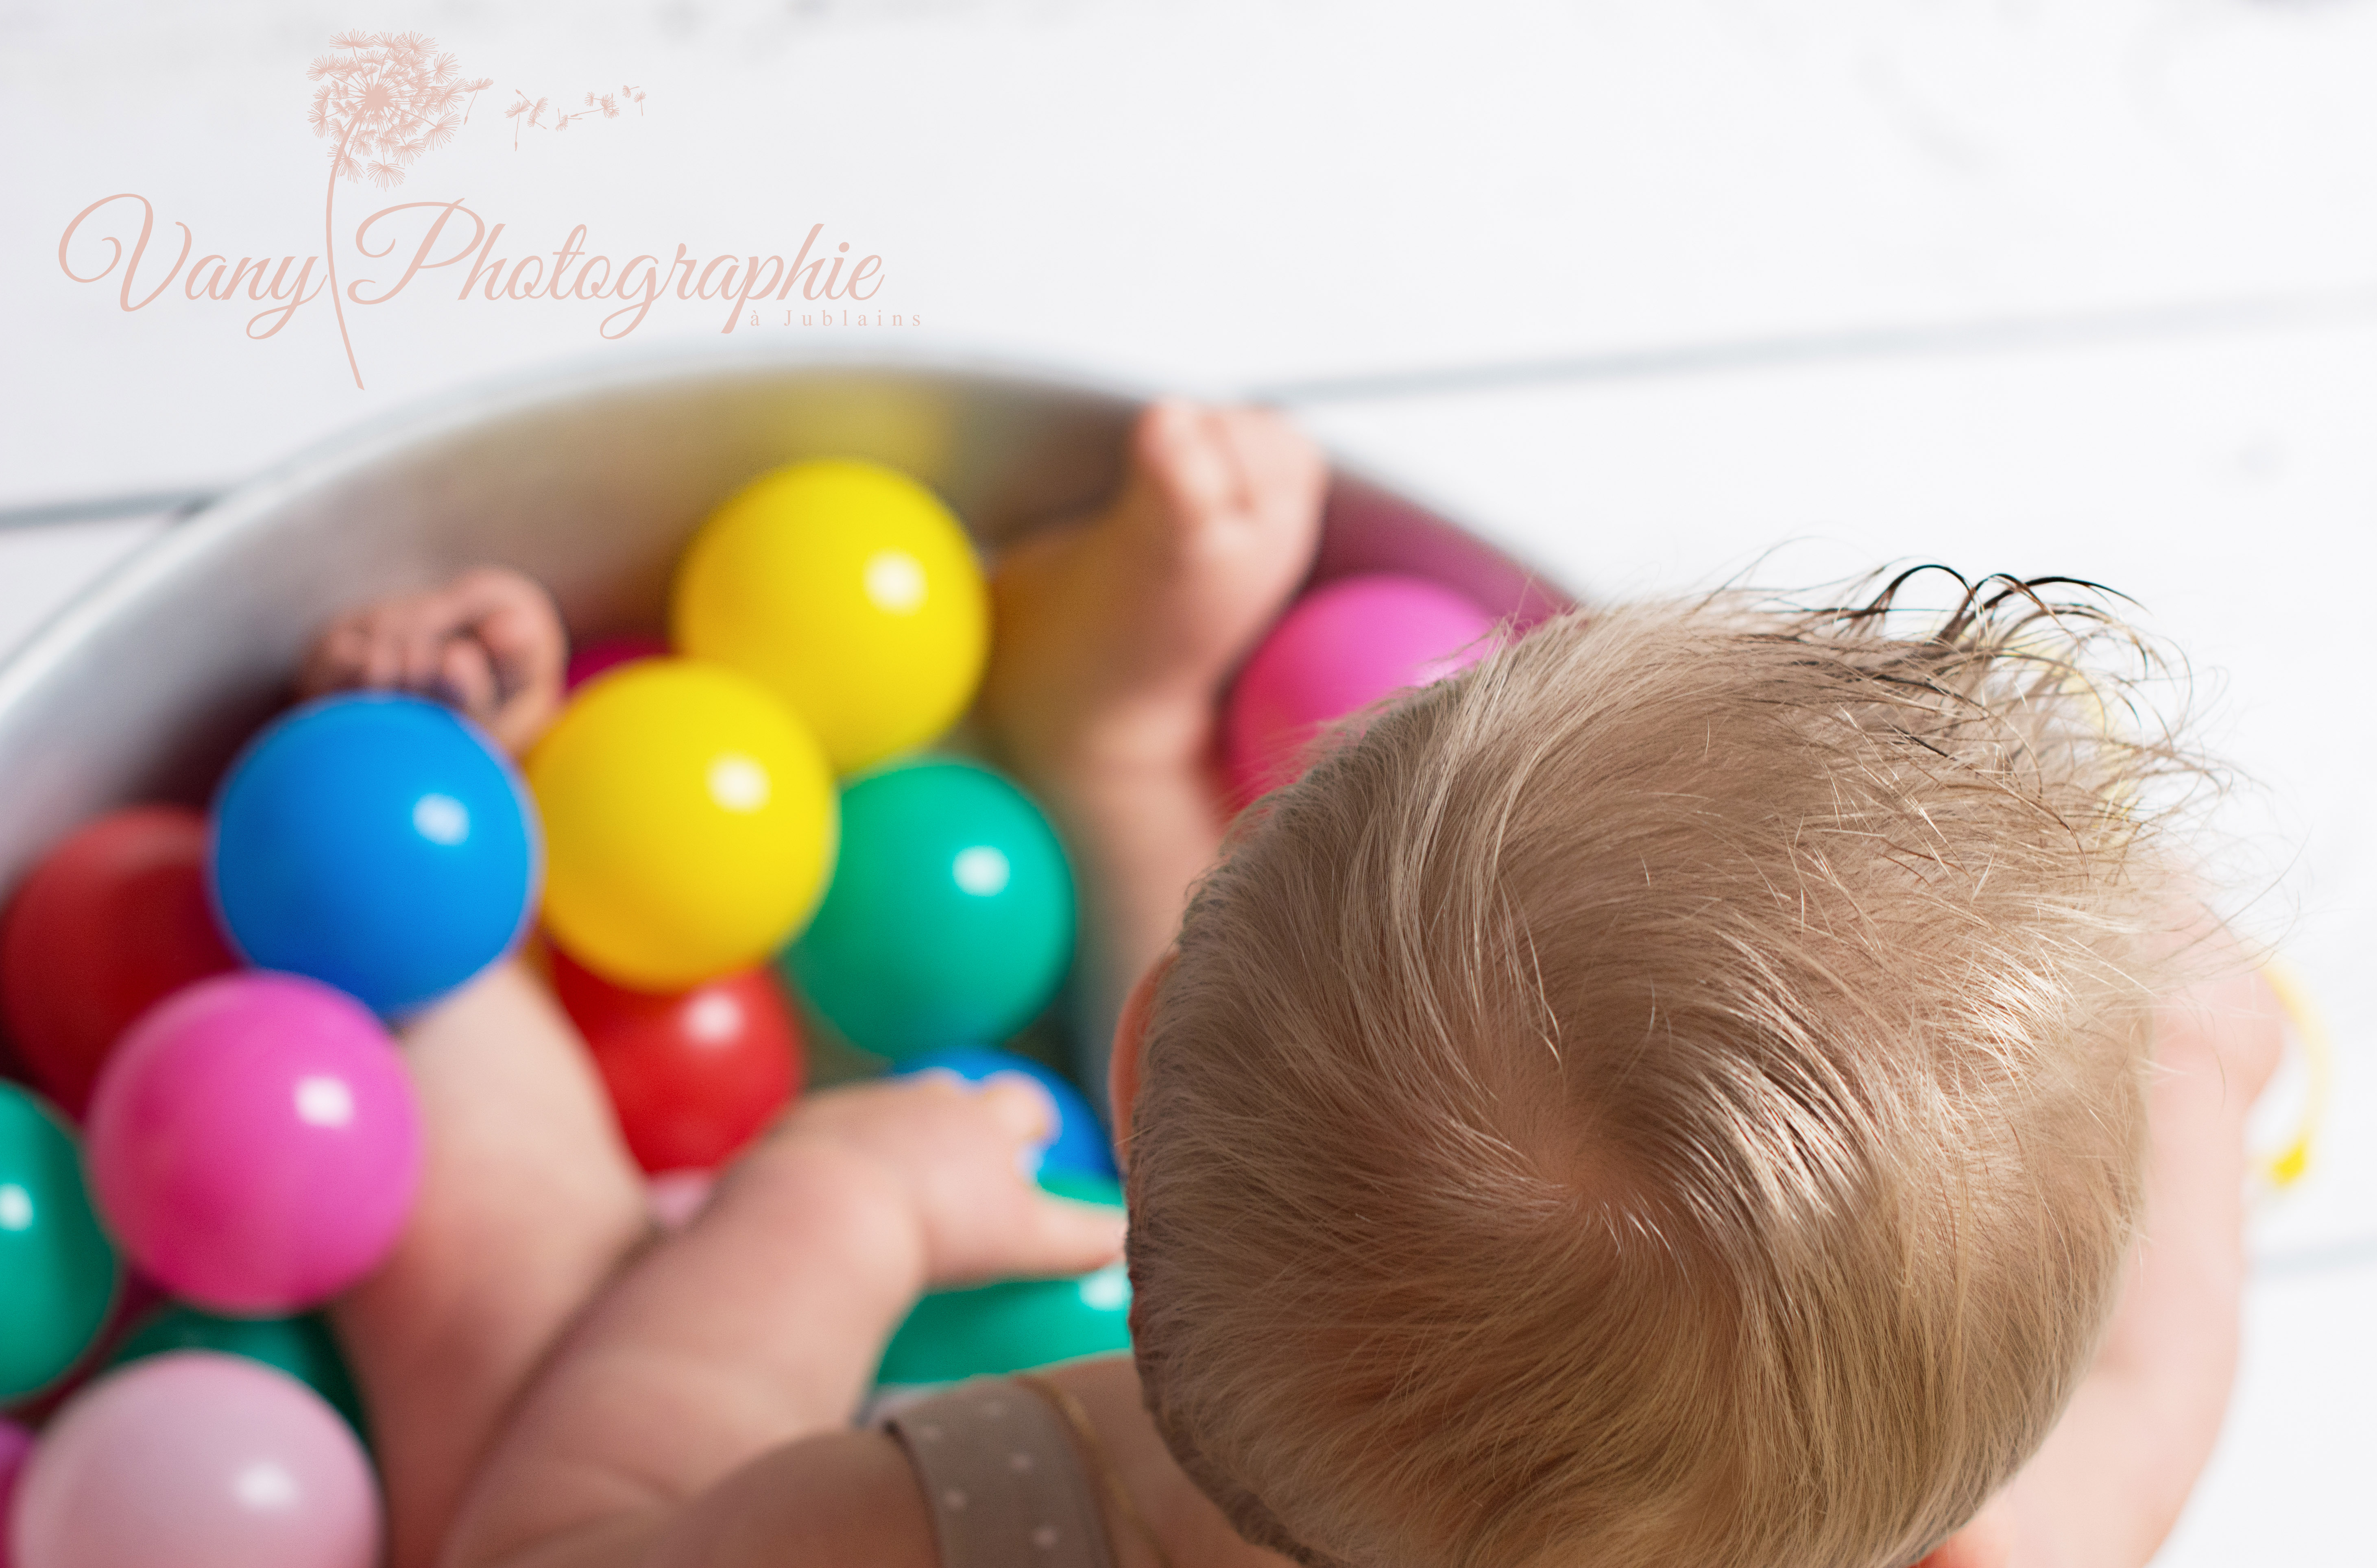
point(852, 592)
point(689, 824)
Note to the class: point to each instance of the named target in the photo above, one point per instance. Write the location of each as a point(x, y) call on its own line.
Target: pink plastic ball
point(1338, 650)
point(16, 1447)
point(254, 1142)
point(604, 654)
point(199, 1460)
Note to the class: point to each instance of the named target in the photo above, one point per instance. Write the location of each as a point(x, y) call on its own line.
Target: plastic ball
point(689, 824)
point(113, 919)
point(302, 1346)
point(693, 1076)
point(199, 1460)
point(1015, 1325)
point(852, 591)
point(1078, 1147)
point(949, 921)
point(1339, 649)
point(58, 1274)
point(605, 654)
point(377, 843)
point(255, 1145)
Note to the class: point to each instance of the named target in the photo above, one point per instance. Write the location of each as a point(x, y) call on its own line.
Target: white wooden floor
point(1658, 292)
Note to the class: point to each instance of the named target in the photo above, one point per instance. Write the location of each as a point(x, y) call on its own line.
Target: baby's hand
point(958, 1156)
point(489, 643)
point(760, 1322)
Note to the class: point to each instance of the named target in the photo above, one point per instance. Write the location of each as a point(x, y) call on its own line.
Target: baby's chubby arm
point(759, 1325)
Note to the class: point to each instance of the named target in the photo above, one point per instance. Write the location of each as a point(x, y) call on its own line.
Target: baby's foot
point(1116, 636)
point(490, 644)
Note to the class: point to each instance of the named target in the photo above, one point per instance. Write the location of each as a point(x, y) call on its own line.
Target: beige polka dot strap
point(1003, 1478)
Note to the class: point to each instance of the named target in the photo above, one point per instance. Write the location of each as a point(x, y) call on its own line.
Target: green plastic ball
point(949, 918)
point(1015, 1325)
point(302, 1346)
point(58, 1273)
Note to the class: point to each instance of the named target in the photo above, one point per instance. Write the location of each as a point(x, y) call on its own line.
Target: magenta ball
point(16, 1446)
point(1338, 650)
point(604, 654)
point(198, 1460)
point(254, 1142)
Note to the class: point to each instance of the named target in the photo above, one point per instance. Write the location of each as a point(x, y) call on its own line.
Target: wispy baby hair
point(1673, 1094)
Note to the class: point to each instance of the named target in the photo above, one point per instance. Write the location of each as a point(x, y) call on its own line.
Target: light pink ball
point(254, 1142)
point(1341, 647)
point(198, 1460)
point(16, 1447)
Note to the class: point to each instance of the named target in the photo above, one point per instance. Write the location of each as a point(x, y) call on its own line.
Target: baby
point(1705, 1086)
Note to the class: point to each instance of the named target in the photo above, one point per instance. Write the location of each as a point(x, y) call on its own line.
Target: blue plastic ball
point(1080, 1147)
point(377, 843)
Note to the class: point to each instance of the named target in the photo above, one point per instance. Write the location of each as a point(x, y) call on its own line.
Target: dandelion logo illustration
point(385, 99)
point(530, 112)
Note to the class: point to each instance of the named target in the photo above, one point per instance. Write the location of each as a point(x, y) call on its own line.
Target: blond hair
point(1672, 1094)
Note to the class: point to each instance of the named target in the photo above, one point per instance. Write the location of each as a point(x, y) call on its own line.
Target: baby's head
point(1673, 1094)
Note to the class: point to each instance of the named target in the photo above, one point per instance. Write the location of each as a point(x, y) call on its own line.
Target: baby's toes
point(335, 662)
point(1282, 474)
point(421, 644)
point(525, 644)
point(1181, 453)
point(383, 661)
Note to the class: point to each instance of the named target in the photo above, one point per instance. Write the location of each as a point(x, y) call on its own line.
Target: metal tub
point(589, 480)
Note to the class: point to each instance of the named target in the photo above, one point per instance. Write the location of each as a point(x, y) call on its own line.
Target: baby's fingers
point(963, 1157)
point(1057, 1237)
point(1021, 1232)
point(1003, 1226)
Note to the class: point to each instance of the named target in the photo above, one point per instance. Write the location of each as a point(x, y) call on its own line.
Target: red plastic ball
point(693, 1076)
point(115, 918)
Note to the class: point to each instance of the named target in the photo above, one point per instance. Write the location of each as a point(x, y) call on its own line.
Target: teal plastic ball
point(1015, 1325)
point(949, 918)
point(58, 1273)
point(302, 1346)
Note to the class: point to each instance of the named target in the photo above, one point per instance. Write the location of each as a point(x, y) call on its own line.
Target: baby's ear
point(1986, 1542)
point(1130, 1039)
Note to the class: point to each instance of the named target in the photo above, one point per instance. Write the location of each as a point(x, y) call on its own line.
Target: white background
point(1657, 292)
